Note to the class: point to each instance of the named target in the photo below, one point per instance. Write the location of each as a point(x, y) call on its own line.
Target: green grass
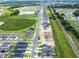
point(75, 39)
point(70, 20)
point(19, 23)
point(24, 16)
point(13, 23)
point(73, 24)
point(62, 46)
point(26, 55)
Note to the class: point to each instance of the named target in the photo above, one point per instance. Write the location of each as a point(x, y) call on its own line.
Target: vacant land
point(63, 49)
point(62, 46)
point(71, 21)
point(13, 23)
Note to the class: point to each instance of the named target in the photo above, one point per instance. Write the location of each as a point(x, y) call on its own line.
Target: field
point(62, 46)
point(63, 49)
point(71, 21)
point(14, 23)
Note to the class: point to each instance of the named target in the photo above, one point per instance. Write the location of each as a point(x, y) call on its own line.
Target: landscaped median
point(63, 49)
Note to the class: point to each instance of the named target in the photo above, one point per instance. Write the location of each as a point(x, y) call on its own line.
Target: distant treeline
point(66, 6)
point(22, 3)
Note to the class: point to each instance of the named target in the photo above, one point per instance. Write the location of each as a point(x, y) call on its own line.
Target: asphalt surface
point(35, 39)
point(47, 47)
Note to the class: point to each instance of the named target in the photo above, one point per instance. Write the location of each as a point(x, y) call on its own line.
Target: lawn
point(75, 39)
point(14, 23)
point(26, 55)
point(73, 24)
point(70, 20)
point(62, 46)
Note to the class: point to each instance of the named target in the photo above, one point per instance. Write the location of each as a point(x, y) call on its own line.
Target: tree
point(11, 12)
point(77, 35)
point(15, 12)
point(63, 22)
point(76, 13)
point(7, 13)
point(62, 14)
point(57, 13)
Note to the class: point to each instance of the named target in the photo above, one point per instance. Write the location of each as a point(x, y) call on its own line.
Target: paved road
point(49, 42)
point(35, 40)
point(68, 38)
point(16, 41)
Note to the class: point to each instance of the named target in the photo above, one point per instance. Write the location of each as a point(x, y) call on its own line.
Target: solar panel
point(21, 46)
point(6, 43)
point(18, 51)
point(18, 55)
point(3, 51)
point(29, 31)
point(27, 36)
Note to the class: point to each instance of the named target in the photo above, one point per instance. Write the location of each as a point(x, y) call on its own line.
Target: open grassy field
point(13, 23)
point(70, 20)
point(63, 49)
point(62, 46)
point(75, 39)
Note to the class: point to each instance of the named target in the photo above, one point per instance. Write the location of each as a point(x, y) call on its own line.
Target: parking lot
point(19, 50)
point(46, 43)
